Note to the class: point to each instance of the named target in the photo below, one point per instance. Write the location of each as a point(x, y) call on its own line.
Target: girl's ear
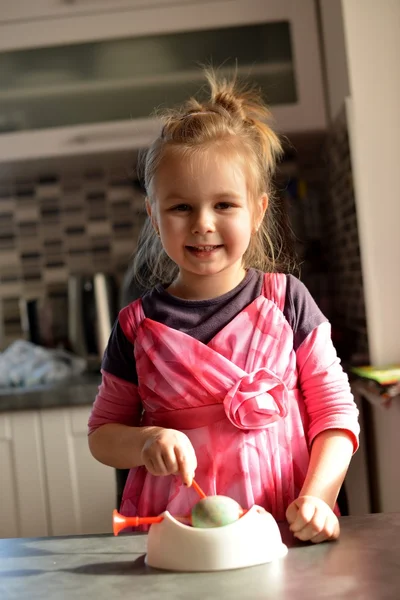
point(261, 209)
point(149, 211)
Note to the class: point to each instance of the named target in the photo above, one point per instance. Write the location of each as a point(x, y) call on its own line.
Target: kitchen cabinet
point(26, 10)
point(81, 490)
point(75, 84)
point(23, 493)
point(49, 482)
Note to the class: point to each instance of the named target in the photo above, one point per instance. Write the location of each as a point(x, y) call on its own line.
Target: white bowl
point(253, 539)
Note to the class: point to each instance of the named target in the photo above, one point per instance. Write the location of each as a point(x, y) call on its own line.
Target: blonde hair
point(234, 118)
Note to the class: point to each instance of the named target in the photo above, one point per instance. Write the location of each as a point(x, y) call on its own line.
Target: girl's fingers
point(157, 464)
point(311, 519)
point(172, 453)
point(150, 467)
point(291, 513)
point(336, 529)
point(321, 537)
point(331, 531)
point(186, 466)
point(170, 461)
point(317, 526)
point(305, 514)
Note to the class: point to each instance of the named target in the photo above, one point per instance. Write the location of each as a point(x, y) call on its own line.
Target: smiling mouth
point(203, 248)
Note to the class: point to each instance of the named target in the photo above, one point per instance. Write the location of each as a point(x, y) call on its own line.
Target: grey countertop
point(363, 565)
point(72, 392)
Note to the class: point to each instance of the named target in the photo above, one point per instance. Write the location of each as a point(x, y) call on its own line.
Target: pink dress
point(238, 400)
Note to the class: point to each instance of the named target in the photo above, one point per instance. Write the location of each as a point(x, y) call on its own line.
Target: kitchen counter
point(363, 565)
point(76, 391)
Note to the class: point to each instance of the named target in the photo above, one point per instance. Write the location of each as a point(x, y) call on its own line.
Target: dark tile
point(78, 251)
point(9, 277)
point(99, 215)
point(70, 189)
point(25, 191)
point(94, 197)
point(6, 191)
point(56, 263)
point(27, 229)
point(7, 240)
point(101, 251)
point(49, 179)
point(100, 244)
point(94, 174)
point(121, 206)
point(126, 226)
point(73, 210)
point(30, 255)
point(32, 276)
point(53, 245)
point(75, 230)
point(120, 181)
point(10, 308)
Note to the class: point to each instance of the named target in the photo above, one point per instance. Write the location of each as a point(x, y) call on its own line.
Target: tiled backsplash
point(57, 224)
point(342, 247)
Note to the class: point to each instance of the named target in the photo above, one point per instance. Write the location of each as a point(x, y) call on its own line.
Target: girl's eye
point(224, 205)
point(181, 207)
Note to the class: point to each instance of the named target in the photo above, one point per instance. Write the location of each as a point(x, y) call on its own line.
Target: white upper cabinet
point(26, 10)
point(74, 83)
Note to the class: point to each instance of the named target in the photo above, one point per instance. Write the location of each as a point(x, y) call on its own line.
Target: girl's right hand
point(168, 451)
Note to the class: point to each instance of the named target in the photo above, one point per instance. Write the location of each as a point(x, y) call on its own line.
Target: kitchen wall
point(342, 248)
point(60, 218)
point(334, 55)
point(373, 50)
point(368, 84)
point(341, 237)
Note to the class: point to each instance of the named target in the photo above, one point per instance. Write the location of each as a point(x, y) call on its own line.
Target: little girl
point(225, 368)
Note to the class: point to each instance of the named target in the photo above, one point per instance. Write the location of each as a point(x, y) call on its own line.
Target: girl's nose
point(202, 223)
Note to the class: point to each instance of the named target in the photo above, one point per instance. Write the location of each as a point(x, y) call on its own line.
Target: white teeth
point(205, 248)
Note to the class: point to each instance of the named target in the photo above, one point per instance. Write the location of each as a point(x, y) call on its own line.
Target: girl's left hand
point(311, 519)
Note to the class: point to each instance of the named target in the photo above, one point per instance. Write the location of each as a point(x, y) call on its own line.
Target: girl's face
point(203, 214)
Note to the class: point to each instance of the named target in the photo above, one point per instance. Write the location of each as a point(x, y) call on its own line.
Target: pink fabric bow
point(256, 400)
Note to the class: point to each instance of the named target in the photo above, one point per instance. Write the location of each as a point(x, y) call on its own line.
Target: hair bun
point(232, 104)
point(225, 95)
point(244, 103)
